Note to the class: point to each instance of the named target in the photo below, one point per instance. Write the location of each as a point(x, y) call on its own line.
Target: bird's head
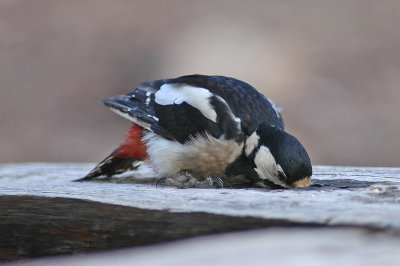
point(277, 159)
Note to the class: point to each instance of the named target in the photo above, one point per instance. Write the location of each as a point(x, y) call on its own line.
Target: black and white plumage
point(212, 126)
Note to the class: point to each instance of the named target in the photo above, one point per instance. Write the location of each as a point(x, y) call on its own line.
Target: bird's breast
point(204, 155)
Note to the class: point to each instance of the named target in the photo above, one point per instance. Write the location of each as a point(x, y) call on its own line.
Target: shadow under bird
point(206, 131)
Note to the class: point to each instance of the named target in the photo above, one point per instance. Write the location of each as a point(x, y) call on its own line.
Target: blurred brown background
point(334, 66)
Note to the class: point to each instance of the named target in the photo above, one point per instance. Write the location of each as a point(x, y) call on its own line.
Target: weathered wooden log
point(42, 212)
point(275, 246)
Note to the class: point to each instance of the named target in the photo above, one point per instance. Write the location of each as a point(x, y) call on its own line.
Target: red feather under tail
point(133, 145)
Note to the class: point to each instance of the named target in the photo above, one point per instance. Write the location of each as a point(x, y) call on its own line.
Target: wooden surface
point(42, 212)
point(275, 247)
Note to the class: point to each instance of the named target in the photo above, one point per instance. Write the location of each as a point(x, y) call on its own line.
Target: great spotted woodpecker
point(203, 131)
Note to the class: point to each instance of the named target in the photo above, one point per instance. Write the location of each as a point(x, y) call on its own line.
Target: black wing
point(227, 107)
point(245, 101)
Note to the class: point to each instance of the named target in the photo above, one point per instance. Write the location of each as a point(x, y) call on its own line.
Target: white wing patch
point(267, 167)
point(199, 98)
point(234, 119)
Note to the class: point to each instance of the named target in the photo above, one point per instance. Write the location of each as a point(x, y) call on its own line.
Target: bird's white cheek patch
point(266, 166)
point(199, 98)
point(251, 143)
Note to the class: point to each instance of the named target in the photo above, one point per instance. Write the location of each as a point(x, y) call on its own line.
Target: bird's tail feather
point(128, 156)
point(112, 165)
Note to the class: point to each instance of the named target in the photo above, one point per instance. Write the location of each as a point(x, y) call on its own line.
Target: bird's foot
point(187, 180)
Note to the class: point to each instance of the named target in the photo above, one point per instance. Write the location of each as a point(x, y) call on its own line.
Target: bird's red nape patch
point(133, 145)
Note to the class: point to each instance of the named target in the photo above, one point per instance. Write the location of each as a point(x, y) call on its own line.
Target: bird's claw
point(164, 181)
point(215, 181)
point(191, 182)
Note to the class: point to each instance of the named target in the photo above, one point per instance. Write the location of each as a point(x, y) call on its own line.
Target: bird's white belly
point(204, 155)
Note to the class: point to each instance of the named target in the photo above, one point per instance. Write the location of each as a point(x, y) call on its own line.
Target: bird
point(203, 131)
